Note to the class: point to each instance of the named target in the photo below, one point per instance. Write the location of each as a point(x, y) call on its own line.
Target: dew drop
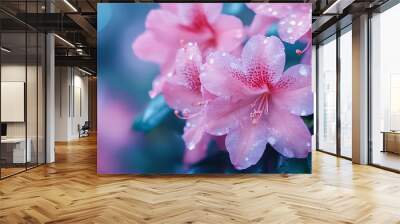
point(271, 140)
point(303, 71)
point(191, 146)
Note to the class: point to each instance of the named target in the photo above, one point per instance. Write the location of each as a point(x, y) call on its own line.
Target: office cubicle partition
point(22, 77)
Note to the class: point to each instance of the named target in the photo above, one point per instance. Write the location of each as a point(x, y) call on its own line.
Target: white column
point(50, 99)
point(360, 90)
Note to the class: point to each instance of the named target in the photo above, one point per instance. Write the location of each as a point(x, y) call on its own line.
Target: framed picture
point(196, 88)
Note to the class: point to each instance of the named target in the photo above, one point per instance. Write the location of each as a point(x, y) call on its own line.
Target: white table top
point(13, 140)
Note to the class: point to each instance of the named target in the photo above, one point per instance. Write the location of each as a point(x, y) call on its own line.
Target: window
point(327, 96)
point(385, 89)
point(346, 93)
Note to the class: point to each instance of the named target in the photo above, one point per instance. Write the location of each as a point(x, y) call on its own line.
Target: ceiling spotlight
point(5, 50)
point(70, 5)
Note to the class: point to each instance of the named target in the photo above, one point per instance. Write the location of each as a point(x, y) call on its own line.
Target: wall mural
point(204, 88)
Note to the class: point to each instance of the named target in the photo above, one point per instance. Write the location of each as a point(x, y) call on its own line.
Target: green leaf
point(154, 113)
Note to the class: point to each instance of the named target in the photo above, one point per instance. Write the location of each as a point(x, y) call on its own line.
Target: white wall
point(70, 84)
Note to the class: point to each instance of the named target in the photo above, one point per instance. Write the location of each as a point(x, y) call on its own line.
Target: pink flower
point(174, 25)
point(294, 19)
point(257, 102)
point(183, 92)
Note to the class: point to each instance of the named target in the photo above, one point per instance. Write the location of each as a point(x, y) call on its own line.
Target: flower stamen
point(300, 52)
point(260, 107)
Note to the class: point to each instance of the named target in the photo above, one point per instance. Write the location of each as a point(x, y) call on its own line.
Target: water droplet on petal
point(271, 140)
point(233, 65)
point(191, 146)
point(288, 152)
point(303, 71)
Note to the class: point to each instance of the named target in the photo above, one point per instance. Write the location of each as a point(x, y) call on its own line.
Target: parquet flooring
point(70, 191)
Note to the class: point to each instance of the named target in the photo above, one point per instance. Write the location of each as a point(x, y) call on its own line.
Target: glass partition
point(14, 145)
point(385, 89)
point(22, 78)
point(327, 95)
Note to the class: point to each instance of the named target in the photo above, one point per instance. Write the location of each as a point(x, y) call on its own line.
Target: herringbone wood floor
point(70, 191)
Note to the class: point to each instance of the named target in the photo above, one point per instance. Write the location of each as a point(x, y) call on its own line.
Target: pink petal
point(260, 24)
point(147, 47)
point(306, 59)
point(194, 131)
point(199, 152)
point(230, 32)
point(221, 75)
point(187, 67)
point(246, 144)
point(181, 98)
point(212, 11)
point(196, 140)
point(171, 7)
point(193, 13)
point(263, 59)
point(288, 134)
point(299, 102)
point(224, 114)
point(295, 77)
point(277, 10)
point(207, 96)
point(294, 26)
point(157, 85)
point(164, 25)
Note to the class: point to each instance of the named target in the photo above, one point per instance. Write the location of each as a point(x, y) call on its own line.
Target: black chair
point(84, 130)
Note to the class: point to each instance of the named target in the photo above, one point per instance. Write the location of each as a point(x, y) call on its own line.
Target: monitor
point(3, 129)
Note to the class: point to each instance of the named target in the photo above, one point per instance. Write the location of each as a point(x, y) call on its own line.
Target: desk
point(17, 150)
point(391, 141)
